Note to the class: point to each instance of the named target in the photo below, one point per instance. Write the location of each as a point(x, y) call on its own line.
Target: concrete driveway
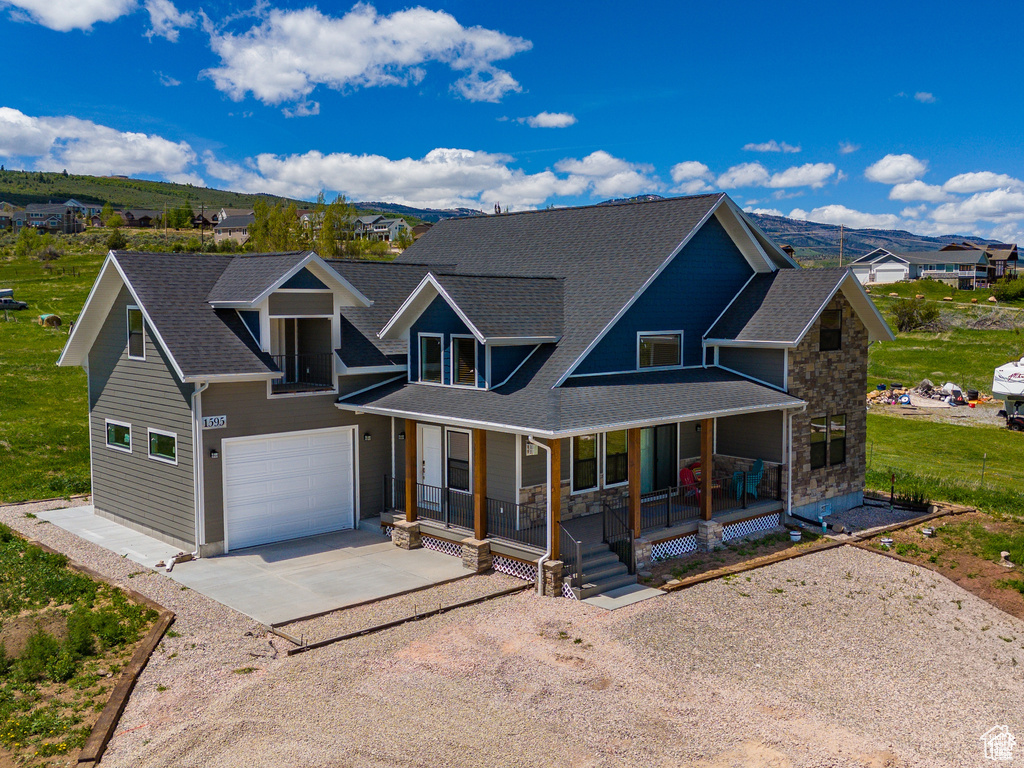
point(278, 583)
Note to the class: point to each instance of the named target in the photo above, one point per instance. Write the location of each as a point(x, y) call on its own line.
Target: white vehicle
point(1008, 382)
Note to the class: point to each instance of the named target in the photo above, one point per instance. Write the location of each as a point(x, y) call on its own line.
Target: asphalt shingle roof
point(584, 403)
point(235, 222)
point(172, 288)
point(502, 307)
point(246, 277)
point(777, 307)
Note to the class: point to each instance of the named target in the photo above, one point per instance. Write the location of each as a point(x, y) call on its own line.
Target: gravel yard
point(872, 514)
point(841, 658)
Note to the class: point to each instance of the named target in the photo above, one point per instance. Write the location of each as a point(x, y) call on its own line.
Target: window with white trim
point(584, 463)
point(616, 460)
point(464, 361)
point(430, 358)
point(660, 350)
point(119, 436)
point(163, 446)
point(828, 440)
point(136, 338)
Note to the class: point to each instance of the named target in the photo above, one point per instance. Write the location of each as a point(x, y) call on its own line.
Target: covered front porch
point(627, 490)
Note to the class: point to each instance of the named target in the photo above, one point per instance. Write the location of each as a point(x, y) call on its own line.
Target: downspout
point(198, 457)
point(547, 553)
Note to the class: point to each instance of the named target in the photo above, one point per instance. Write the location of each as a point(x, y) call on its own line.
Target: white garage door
point(287, 486)
point(863, 273)
point(890, 274)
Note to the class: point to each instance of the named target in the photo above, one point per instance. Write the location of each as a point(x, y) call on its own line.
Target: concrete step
point(599, 559)
point(589, 589)
point(608, 571)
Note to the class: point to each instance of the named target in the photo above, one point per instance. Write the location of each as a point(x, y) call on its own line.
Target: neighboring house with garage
point(562, 408)
point(965, 269)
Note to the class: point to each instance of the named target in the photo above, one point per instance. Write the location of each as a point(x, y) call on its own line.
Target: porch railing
point(671, 506)
point(744, 488)
point(304, 373)
point(571, 552)
point(617, 533)
point(521, 523)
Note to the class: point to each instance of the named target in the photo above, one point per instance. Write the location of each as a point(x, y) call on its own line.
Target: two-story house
point(666, 379)
point(377, 227)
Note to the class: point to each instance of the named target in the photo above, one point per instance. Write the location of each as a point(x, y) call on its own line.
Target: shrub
point(911, 314)
point(117, 241)
point(41, 649)
point(62, 667)
point(80, 640)
point(109, 629)
point(1008, 290)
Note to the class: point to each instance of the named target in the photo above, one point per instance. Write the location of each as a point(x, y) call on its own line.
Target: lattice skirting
point(747, 527)
point(567, 591)
point(386, 530)
point(663, 550)
point(443, 546)
point(521, 570)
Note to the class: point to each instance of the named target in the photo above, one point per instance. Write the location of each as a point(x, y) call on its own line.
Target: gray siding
point(501, 467)
point(295, 304)
point(250, 412)
point(751, 436)
point(146, 393)
point(689, 439)
point(765, 364)
point(534, 468)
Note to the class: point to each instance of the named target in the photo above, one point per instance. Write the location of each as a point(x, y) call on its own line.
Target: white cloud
point(909, 191)
point(744, 175)
point(979, 181)
point(167, 80)
point(913, 212)
point(549, 120)
point(771, 146)
point(691, 177)
point(289, 53)
point(442, 178)
point(756, 175)
point(998, 205)
point(765, 211)
point(65, 15)
point(302, 109)
point(165, 19)
point(807, 175)
point(840, 214)
point(848, 147)
point(81, 146)
point(896, 169)
point(924, 97)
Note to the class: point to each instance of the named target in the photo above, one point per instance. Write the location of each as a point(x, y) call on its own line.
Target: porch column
point(479, 484)
point(555, 494)
point(707, 444)
point(633, 472)
point(411, 470)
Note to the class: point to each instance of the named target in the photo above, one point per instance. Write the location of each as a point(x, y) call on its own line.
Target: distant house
point(962, 269)
point(48, 217)
point(1002, 257)
point(85, 209)
point(140, 217)
point(377, 227)
point(225, 213)
point(233, 228)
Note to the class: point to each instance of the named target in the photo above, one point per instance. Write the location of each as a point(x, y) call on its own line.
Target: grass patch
point(1017, 584)
point(58, 629)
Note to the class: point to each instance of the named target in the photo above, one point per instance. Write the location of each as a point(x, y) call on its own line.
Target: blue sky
point(890, 115)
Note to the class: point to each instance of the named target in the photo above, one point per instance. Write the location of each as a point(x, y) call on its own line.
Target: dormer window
point(464, 365)
point(660, 350)
point(430, 358)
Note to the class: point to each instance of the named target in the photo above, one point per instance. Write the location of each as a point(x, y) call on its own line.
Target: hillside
point(23, 187)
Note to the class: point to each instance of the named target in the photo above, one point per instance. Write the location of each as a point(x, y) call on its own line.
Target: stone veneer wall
point(832, 383)
point(573, 505)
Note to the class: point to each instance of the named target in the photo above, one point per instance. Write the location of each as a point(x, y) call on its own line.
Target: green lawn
point(964, 357)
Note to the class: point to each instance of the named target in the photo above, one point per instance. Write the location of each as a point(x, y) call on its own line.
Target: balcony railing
point(310, 372)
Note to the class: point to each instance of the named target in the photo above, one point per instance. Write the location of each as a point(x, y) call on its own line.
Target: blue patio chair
point(753, 480)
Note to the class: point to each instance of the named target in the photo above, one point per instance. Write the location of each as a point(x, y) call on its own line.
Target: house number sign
point(214, 422)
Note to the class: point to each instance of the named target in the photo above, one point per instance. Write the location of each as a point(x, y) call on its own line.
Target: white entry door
point(430, 465)
point(279, 487)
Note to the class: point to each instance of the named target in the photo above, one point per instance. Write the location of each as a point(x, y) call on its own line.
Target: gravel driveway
point(841, 658)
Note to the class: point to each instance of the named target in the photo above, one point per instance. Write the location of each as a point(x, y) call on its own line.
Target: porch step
point(602, 571)
point(606, 585)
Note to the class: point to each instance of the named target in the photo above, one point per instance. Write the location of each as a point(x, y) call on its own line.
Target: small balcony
point(308, 372)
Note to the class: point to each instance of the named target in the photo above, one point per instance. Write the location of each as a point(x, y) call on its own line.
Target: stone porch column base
point(406, 535)
point(709, 535)
point(642, 552)
point(476, 555)
point(553, 578)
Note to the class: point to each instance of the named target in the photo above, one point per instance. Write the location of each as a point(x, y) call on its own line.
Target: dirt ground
point(949, 557)
point(697, 563)
point(924, 409)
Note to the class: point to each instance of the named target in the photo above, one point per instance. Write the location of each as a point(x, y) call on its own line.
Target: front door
point(658, 447)
point(430, 465)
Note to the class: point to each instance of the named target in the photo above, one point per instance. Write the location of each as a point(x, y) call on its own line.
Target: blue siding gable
point(440, 318)
point(504, 360)
point(304, 279)
point(688, 295)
